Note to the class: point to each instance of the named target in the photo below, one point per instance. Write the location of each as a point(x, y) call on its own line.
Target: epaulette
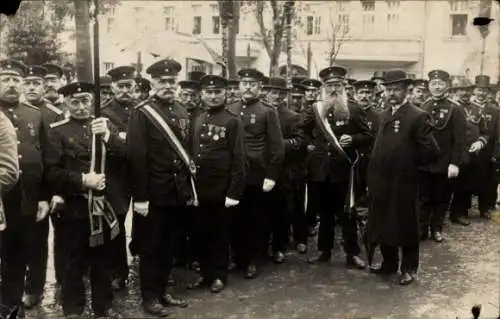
point(54, 109)
point(30, 105)
point(59, 123)
point(453, 102)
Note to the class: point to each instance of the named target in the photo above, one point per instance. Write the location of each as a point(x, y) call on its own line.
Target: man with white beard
point(328, 169)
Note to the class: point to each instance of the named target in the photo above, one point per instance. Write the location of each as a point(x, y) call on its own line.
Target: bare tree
point(336, 39)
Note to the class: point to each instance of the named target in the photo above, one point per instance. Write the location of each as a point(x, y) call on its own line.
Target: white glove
point(231, 202)
point(141, 208)
point(100, 126)
point(452, 171)
point(94, 181)
point(476, 147)
point(311, 148)
point(122, 135)
point(55, 202)
point(345, 140)
point(268, 185)
point(43, 210)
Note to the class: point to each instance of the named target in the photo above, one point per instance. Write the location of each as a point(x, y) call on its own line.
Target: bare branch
point(260, 21)
point(340, 42)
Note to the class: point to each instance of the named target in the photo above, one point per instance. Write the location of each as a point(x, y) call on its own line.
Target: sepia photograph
point(250, 159)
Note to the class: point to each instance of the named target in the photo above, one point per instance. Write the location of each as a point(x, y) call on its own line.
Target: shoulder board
point(59, 123)
point(455, 103)
point(54, 109)
point(30, 105)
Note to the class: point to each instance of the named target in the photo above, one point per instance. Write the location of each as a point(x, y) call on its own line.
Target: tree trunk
point(83, 47)
point(231, 41)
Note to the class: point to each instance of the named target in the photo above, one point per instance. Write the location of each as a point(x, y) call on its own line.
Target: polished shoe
point(356, 262)
point(168, 301)
point(154, 307)
point(118, 284)
point(200, 283)
point(405, 279)
point(279, 257)
point(486, 215)
point(437, 237)
point(464, 221)
point(217, 286)
point(379, 269)
point(251, 272)
point(320, 257)
point(31, 301)
point(109, 314)
point(301, 248)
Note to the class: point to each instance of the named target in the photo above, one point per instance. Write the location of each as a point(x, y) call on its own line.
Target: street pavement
point(455, 275)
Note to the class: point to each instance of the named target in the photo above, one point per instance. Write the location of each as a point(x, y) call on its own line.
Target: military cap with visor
point(365, 84)
point(165, 67)
point(11, 66)
point(251, 73)
point(332, 73)
point(311, 84)
point(53, 69)
point(76, 88)
point(125, 72)
point(420, 83)
point(438, 74)
point(35, 71)
point(211, 81)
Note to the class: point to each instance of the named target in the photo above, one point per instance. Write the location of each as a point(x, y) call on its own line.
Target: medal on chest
point(253, 118)
point(223, 132)
point(396, 126)
point(216, 133)
point(370, 125)
point(31, 129)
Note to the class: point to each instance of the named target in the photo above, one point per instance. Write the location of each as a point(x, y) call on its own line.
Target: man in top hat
point(106, 91)
point(484, 166)
point(161, 190)
point(475, 132)
point(420, 92)
point(378, 78)
point(329, 170)
point(26, 205)
point(117, 110)
point(88, 237)
point(219, 152)
point(142, 88)
point(265, 151)
point(404, 142)
point(53, 81)
point(233, 91)
point(437, 177)
point(365, 94)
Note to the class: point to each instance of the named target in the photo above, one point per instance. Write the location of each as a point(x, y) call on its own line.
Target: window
point(343, 23)
point(393, 4)
point(458, 18)
point(313, 25)
point(368, 5)
point(169, 14)
point(139, 18)
point(108, 66)
point(392, 21)
point(197, 25)
point(109, 24)
point(214, 8)
point(368, 23)
point(216, 25)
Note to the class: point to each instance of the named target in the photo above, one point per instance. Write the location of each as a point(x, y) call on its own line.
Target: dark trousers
point(37, 259)
point(160, 231)
point(21, 245)
point(211, 226)
point(434, 198)
point(277, 218)
point(409, 261)
point(298, 215)
point(186, 251)
point(58, 248)
point(250, 227)
point(332, 198)
point(361, 187)
point(118, 250)
point(79, 256)
point(313, 205)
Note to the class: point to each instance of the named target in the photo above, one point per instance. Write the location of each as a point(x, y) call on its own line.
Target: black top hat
point(396, 76)
point(195, 76)
point(378, 75)
point(482, 81)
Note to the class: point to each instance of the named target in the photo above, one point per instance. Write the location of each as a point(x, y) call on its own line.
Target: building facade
point(362, 35)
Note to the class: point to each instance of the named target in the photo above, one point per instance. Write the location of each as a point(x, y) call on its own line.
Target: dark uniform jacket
point(475, 128)
point(68, 156)
point(193, 115)
point(324, 163)
point(119, 179)
point(373, 116)
point(263, 141)
point(31, 139)
point(448, 120)
point(157, 174)
point(403, 143)
point(50, 112)
point(219, 154)
point(294, 143)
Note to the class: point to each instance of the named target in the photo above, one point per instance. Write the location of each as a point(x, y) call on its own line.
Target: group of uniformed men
point(222, 173)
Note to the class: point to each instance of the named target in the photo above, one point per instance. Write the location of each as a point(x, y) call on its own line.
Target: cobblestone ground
point(456, 274)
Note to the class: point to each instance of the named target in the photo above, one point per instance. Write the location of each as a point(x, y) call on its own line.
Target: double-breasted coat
point(404, 141)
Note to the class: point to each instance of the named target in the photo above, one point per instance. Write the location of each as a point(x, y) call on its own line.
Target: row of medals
point(219, 132)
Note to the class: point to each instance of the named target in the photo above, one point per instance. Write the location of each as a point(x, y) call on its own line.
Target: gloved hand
point(122, 135)
point(56, 204)
point(268, 185)
point(311, 148)
point(43, 210)
point(453, 171)
point(231, 202)
point(476, 147)
point(345, 140)
point(141, 208)
point(94, 181)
